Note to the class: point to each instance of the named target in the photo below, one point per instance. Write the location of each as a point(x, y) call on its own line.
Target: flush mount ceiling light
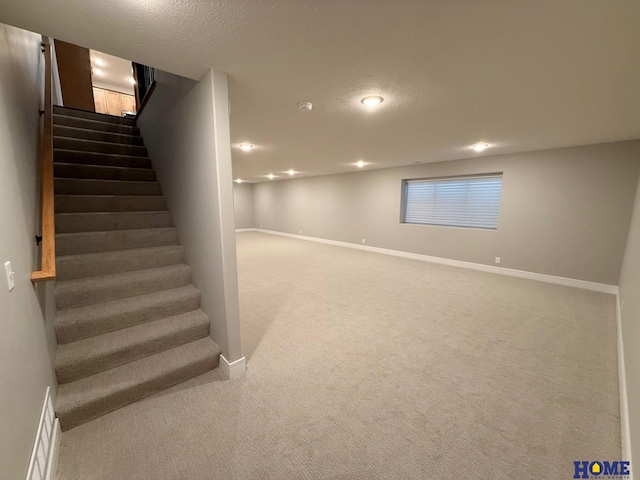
point(238, 180)
point(361, 163)
point(99, 62)
point(305, 106)
point(479, 147)
point(372, 101)
point(291, 172)
point(271, 176)
point(132, 81)
point(245, 147)
point(98, 72)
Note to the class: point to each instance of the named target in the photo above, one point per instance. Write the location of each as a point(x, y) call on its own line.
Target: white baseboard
point(622, 385)
point(240, 230)
point(541, 277)
point(233, 369)
point(52, 466)
point(44, 457)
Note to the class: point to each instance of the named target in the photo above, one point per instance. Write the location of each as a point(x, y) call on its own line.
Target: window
point(472, 201)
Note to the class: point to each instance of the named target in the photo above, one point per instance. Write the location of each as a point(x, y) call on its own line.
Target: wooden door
point(114, 103)
point(128, 103)
point(100, 99)
point(74, 68)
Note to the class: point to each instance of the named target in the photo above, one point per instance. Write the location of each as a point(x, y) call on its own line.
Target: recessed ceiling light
point(99, 62)
point(132, 81)
point(238, 180)
point(361, 163)
point(291, 172)
point(271, 176)
point(372, 100)
point(245, 146)
point(479, 147)
point(98, 72)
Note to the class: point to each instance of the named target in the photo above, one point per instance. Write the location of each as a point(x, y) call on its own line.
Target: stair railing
point(47, 215)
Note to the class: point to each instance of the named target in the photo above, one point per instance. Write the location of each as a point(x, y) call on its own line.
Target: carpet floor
point(366, 366)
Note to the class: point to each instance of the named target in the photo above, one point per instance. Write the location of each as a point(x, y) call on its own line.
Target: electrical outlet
point(11, 283)
point(497, 259)
point(363, 242)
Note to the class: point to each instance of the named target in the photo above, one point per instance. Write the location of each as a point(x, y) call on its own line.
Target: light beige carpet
point(365, 366)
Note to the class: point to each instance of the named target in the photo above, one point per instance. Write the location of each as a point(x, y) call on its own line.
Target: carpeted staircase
point(128, 322)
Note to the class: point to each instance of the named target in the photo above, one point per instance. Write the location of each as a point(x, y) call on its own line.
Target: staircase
point(128, 320)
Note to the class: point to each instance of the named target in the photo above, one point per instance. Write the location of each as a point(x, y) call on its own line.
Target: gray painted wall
point(564, 212)
point(185, 126)
point(243, 204)
point(27, 343)
point(630, 295)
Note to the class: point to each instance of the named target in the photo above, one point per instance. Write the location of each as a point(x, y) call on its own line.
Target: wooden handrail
point(48, 249)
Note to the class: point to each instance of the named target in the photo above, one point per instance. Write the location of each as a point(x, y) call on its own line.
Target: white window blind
point(456, 202)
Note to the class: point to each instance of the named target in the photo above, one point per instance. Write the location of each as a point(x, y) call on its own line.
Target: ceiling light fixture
point(361, 163)
point(98, 72)
point(372, 101)
point(305, 106)
point(238, 180)
point(479, 147)
point(271, 176)
point(132, 81)
point(99, 62)
point(291, 172)
point(245, 147)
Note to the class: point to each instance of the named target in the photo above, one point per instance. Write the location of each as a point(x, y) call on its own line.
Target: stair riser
point(91, 366)
point(89, 158)
point(72, 267)
point(88, 411)
point(94, 116)
point(72, 186)
point(80, 133)
point(98, 147)
point(72, 170)
point(76, 243)
point(66, 121)
point(158, 306)
point(76, 203)
point(97, 222)
point(87, 293)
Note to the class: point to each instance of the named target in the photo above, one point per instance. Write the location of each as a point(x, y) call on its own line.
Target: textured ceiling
point(520, 74)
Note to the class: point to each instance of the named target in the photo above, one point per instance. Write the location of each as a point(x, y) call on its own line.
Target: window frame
point(404, 192)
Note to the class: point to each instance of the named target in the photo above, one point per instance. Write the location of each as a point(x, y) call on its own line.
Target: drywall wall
point(26, 339)
point(185, 126)
point(630, 299)
point(243, 204)
point(564, 212)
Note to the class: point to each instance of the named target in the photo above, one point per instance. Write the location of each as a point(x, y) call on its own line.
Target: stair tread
point(88, 122)
point(112, 315)
point(91, 355)
point(84, 222)
point(102, 180)
point(106, 263)
point(113, 156)
point(103, 167)
point(92, 396)
point(104, 232)
point(79, 113)
point(91, 290)
point(71, 127)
